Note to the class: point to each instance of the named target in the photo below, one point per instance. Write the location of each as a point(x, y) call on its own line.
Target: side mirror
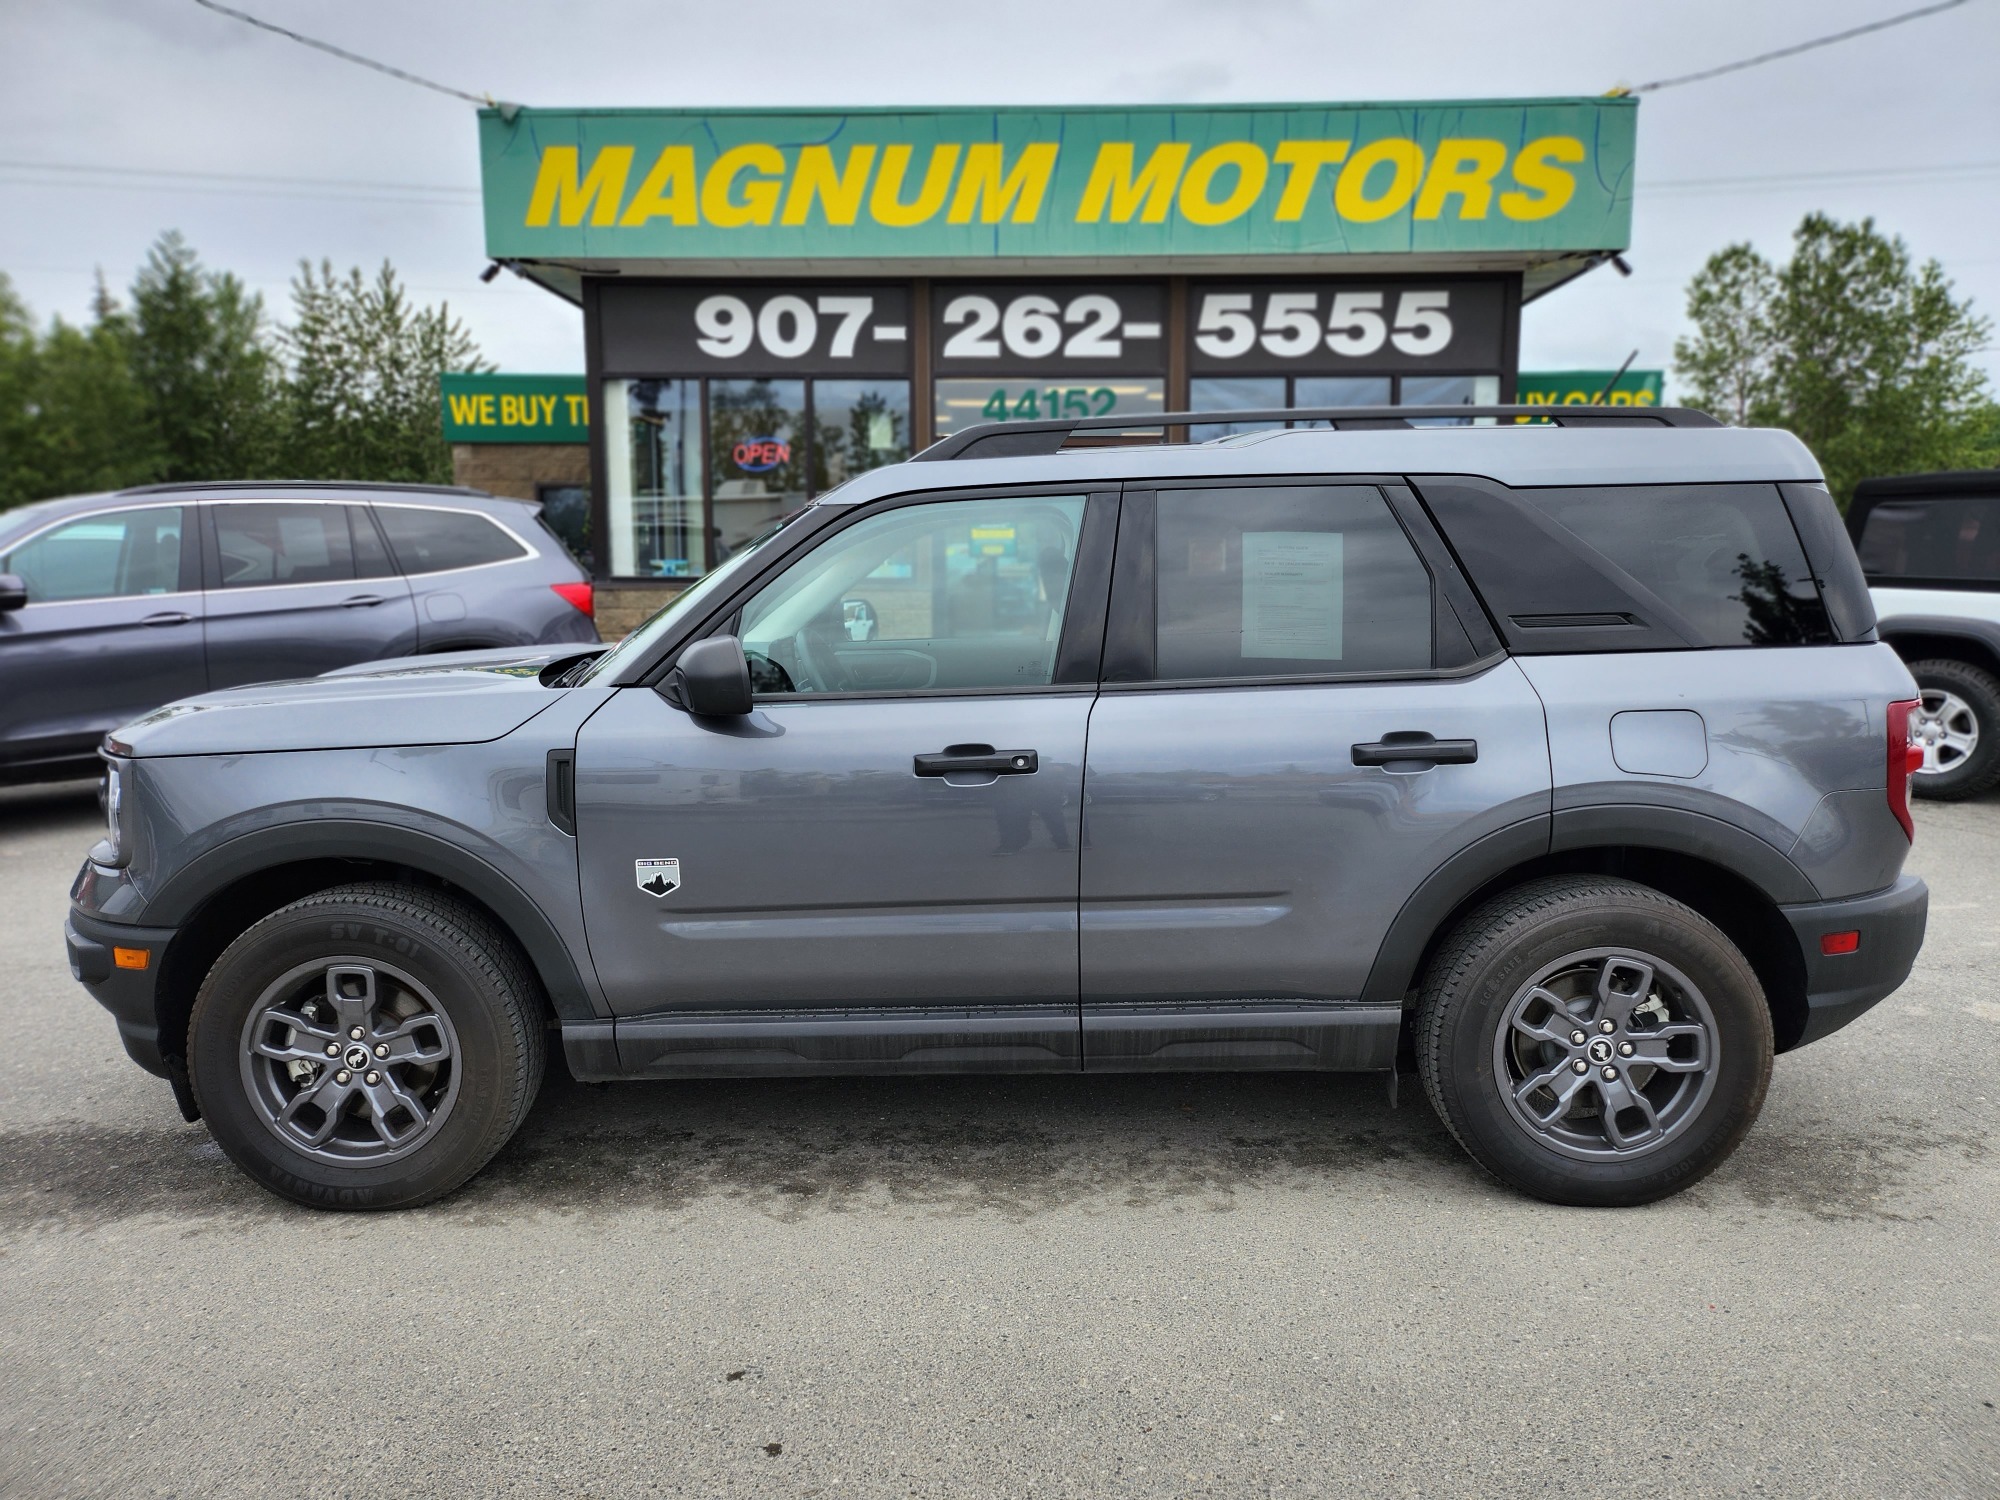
point(857, 617)
point(13, 592)
point(714, 678)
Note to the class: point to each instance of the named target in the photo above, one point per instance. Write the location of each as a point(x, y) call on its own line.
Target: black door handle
point(1413, 750)
point(361, 601)
point(978, 758)
point(170, 617)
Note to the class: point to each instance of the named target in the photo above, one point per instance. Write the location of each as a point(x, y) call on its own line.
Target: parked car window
point(957, 594)
point(1724, 555)
point(113, 555)
point(371, 558)
point(1958, 538)
point(1286, 580)
point(273, 543)
point(435, 541)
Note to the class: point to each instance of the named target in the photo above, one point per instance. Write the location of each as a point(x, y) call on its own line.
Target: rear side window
point(1273, 581)
point(264, 544)
point(1722, 556)
point(434, 541)
point(114, 555)
point(1955, 539)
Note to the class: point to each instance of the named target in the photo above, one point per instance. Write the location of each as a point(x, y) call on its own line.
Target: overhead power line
point(354, 57)
point(1764, 57)
point(97, 174)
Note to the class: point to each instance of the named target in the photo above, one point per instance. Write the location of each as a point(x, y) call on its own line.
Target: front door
point(1267, 787)
point(300, 587)
point(111, 630)
point(894, 827)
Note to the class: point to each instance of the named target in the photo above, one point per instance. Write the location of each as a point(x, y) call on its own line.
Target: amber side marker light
point(1839, 942)
point(131, 958)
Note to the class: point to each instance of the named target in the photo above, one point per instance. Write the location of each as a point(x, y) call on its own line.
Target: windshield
point(634, 646)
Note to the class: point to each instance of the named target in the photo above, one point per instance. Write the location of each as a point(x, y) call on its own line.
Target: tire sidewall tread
point(491, 996)
point(1499, 946)
point(1980, 689)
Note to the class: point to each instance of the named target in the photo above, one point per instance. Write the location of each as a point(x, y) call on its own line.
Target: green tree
point(72, 419)
point(1866, 357)
point(361, 379)
point(18, 350)
point(201, 355)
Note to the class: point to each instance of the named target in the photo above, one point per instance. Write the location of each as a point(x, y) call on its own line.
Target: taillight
point(1905, 757)
point(577, 595)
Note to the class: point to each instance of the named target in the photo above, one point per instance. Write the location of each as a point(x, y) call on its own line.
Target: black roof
point(1947, 482)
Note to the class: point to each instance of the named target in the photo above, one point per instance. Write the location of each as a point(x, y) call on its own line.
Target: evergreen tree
point(72, 418)
point(361, 386)
point(201, 357)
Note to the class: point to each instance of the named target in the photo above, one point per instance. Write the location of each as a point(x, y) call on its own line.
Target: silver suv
point(1560, 760)
point(111, 605)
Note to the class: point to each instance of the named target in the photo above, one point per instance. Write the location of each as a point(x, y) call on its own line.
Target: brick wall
point(620, 608)
point(514, 469)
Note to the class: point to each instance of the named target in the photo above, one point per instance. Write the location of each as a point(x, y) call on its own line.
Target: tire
point(1962, 713)
point(450, 1057)
point(1673, 989)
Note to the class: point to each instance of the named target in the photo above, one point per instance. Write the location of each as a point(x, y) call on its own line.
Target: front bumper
point(127, 993)
point(1840, 986)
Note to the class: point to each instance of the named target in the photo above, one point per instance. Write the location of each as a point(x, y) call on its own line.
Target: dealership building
point(775, 300)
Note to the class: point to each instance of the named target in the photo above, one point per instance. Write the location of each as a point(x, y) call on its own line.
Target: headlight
point(115, 848)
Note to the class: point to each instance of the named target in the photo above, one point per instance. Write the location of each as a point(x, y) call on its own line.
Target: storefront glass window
point(1450, 390)
point(756, 431)
point(961, 403)
point(1233, 393)
point(653, 445)
point(1340, 390)
point(858, 425)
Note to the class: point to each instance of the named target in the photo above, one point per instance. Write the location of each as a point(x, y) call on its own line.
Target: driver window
point(956, 594)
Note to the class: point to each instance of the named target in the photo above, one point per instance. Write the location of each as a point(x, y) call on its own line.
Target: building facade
point(773, 301)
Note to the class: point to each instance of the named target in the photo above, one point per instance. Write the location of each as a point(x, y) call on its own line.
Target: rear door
point(111, 629)
point(299, 587)
point(1295, 730)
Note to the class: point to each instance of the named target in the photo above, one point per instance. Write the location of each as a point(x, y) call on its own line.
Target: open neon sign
point(761, 454)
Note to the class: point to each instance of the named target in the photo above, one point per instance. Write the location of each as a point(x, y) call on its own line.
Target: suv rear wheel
point(370, 1046)
point(1594, 1042)
point(1958, 727)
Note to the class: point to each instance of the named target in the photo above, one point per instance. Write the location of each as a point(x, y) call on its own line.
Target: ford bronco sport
point(1559, 758)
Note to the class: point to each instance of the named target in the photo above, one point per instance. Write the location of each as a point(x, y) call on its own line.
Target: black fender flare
point(1982, 633)
point(202, 878)
point(1628, 825)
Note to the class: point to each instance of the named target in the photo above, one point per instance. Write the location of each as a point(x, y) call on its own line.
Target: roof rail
point(1021, 439)
point(183, 486)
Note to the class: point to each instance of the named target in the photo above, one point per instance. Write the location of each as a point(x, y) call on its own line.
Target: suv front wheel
point(1593, 1042)
point(370, 1046)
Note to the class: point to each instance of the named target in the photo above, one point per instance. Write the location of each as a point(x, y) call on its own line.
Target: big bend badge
point(657, 877)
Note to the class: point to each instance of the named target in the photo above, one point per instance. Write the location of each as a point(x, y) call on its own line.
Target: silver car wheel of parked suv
point(1606, 1054)
point(1946, 729)
point(350, 1061)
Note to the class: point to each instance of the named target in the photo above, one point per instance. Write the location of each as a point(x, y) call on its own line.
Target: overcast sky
point(1903, 125)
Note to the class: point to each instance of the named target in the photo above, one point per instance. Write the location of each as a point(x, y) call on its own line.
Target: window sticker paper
point(1293, 591)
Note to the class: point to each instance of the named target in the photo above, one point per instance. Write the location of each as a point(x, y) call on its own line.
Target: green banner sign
point(1532, 176)
point(514, 408)
point(1588, 388)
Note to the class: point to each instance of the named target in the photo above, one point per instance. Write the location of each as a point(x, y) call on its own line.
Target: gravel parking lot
point(1167, 1286)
